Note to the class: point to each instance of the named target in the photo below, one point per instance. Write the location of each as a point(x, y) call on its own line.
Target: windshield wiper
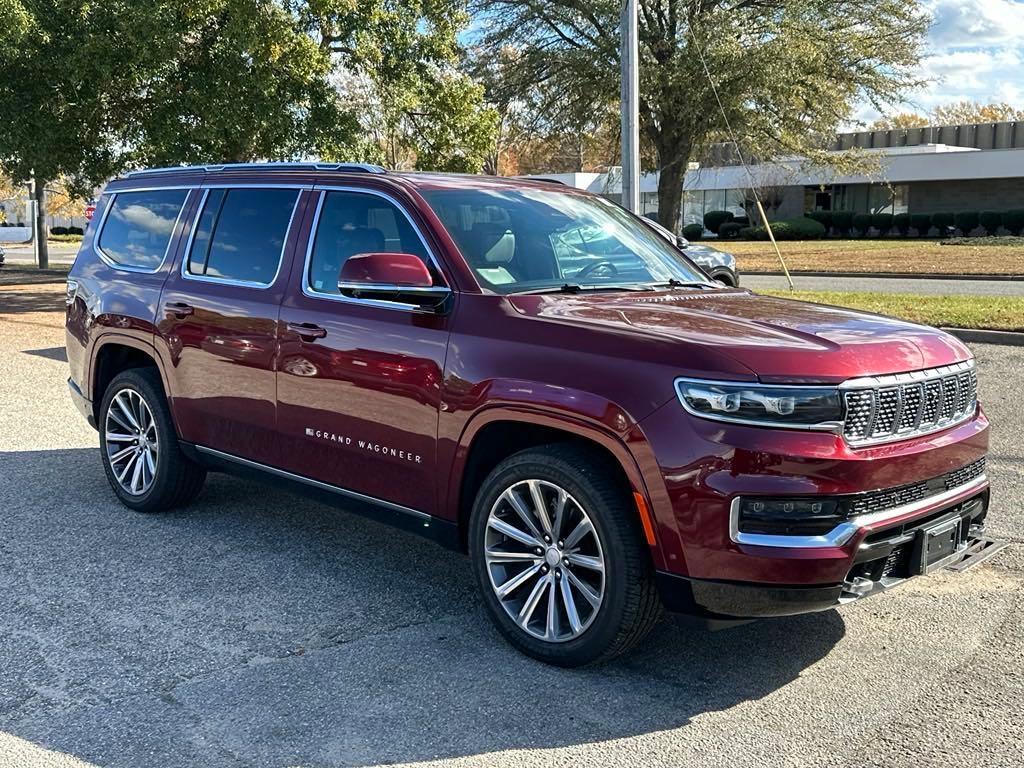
point(577, 288)
point(673, 283)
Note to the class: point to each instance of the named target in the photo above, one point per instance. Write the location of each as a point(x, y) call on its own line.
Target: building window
point(885, 199)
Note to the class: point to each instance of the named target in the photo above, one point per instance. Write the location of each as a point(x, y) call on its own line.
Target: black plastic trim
point(742, 600)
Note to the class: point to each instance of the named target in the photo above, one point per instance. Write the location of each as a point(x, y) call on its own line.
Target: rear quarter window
point(137, 229)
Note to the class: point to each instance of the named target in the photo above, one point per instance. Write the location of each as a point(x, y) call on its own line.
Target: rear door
point(359, 381)
point(218, 328)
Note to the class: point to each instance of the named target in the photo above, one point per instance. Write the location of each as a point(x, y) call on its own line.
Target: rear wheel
point(139, 446)
point(558, 555)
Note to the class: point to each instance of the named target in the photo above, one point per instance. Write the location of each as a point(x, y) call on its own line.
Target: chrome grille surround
point(880, 409)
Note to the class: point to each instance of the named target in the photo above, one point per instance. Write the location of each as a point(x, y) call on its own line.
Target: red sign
point(90, 211)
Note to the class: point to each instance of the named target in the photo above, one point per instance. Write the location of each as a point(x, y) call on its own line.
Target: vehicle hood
point(776, 339)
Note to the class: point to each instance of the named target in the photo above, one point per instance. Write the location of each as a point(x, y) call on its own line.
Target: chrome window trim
point(324, 189)
point(186, 275)
point(318, 484)
point(835, 427)
point(109, 260)
point(845, 531)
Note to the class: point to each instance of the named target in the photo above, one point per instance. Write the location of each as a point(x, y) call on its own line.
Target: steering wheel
point(604, 264)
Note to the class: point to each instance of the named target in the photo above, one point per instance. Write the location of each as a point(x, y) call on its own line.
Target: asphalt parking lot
point(256, 628)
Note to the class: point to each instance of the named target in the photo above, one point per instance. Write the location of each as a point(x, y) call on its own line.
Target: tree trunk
point(40, 233)
point(673, 164)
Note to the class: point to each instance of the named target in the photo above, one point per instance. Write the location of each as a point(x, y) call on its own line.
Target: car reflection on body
point(719, 265)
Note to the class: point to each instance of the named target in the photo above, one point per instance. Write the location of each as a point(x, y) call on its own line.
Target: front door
point(217, 322)
point(359, 381)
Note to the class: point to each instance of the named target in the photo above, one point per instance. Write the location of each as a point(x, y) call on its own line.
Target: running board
point(978, 551)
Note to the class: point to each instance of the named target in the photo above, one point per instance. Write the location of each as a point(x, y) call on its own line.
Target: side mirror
point(401, 278)
point(682, 242)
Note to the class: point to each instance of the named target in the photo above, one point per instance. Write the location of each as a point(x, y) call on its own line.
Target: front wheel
point(557, 552)
point(139, 445)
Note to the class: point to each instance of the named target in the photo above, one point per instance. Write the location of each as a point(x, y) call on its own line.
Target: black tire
point(630, 606)
point(177, 479)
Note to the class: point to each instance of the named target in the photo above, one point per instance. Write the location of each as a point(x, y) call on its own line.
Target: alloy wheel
point(130, 440)
point(545, 560)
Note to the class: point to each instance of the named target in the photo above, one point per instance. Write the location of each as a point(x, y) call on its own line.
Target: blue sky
point(976, 53)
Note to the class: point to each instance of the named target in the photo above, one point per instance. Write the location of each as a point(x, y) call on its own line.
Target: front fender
point(592, 420)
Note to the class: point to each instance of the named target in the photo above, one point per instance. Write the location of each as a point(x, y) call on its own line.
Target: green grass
point(1001, 313)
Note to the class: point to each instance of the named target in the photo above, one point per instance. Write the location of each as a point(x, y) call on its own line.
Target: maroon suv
point(527, 373)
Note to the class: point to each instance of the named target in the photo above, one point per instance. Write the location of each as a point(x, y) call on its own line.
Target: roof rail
point(277, 166)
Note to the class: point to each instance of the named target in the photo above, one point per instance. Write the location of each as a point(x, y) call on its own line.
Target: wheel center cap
point(552, 557)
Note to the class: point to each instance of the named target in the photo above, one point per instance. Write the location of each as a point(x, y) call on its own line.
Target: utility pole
point(629, 53)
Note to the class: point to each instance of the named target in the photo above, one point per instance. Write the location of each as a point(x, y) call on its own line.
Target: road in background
point(929, 287)
point(258, 628)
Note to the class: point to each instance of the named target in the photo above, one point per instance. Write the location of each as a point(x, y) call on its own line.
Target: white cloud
point(975, 53)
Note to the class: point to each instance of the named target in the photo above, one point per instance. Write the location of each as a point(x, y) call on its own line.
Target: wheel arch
point(499, 432)
point(113, 354)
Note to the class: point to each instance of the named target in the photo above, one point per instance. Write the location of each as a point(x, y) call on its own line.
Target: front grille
point(905, 405)
point(878, 501)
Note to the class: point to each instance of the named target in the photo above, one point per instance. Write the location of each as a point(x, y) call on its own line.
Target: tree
point(92, 88)
point(956, 113)
point(396, 66)
point(968, 112)
point(788, 72)
point(900, 121)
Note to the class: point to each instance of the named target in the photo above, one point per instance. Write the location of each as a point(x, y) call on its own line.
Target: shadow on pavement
point(59, 354)
point(258, 628)
point(25, 302)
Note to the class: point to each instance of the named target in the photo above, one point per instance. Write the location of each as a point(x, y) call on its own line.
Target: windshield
point(519, 240)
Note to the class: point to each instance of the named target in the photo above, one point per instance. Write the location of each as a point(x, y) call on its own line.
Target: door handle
point(179, 308)
point(307, 331)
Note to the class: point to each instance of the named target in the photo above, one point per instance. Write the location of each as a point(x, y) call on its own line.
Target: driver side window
point(351, 223)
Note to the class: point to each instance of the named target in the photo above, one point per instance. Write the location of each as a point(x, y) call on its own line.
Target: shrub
point(862, 223)
point(1014, 222)
point(901, 221)
point(822, 217)
point(922, 222)
point(730, 230)
point(966, 221)
point(942, 222)
point(749, 233)
point(58, 230)
point(693, 231)
point(714, 219)
point(792, 229)
point(76, 231)
point(842, 222)
point(991, 221)
point(743, 221)
point(882, 222)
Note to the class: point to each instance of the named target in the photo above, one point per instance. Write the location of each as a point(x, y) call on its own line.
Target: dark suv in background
point(526, 373)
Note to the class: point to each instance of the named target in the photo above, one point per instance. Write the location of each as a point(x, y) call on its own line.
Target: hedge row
point(67, 231)
point(845, 223)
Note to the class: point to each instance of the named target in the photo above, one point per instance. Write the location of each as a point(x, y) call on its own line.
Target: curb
point(888, 275)
point(979, 336)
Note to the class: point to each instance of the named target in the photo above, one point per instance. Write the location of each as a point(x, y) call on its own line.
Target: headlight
point(768, 405)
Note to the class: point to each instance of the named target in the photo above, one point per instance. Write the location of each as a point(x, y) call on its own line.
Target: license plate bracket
point(941, 544)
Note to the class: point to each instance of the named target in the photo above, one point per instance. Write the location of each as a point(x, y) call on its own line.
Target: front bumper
point(884, 559)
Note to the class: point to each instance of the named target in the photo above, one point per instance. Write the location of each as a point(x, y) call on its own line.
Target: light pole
point(630, 58)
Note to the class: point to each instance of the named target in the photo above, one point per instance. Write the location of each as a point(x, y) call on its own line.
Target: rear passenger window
point(351, 223)
point(138, 228)
point(241, 233)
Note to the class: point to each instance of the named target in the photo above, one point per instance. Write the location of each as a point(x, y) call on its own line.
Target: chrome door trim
point(317, 484)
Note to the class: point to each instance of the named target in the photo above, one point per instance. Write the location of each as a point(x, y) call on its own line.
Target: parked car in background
point(3, 256)
point(721, 266)
point(528, 374)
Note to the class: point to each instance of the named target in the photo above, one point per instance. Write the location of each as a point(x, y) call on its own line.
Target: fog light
point(793, 516)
